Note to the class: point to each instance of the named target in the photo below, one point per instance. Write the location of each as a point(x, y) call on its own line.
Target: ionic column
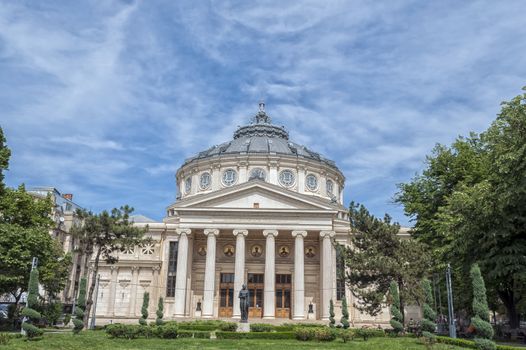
point(210, 273)
point(239, 269)
point(113, 290)
point(134, 283)
point(326, 285)
point(299, 276)
point(182, 266)
point(269, 309)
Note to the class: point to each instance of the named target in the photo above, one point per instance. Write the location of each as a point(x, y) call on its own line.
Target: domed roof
point(260, 137)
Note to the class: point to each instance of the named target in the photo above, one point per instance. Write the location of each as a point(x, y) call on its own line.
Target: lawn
point(99, 340)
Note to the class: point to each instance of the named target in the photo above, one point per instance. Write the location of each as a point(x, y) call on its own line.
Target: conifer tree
point(78, 322)
point(396, 316)
point(428, 323)
point(29, 312)
point(332, 320)
point(345, 314)
point(480, 320)
point(144, 309)
point(160, 312)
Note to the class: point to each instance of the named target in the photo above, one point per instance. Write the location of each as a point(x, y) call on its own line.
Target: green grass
point(100, 341)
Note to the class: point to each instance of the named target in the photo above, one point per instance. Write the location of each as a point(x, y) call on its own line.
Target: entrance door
point(255, 286)
point(283, 287)
point(226, 294)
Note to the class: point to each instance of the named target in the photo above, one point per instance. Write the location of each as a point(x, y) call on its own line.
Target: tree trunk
point(89, 301)
point(508, 299)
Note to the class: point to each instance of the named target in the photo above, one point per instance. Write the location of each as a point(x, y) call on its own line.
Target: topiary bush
point(332, 321)
point(228, 326)
point(367, 333)
point(428, 324)
point(304, 333)
point(397, 319)
point(345, 314)
point(29, 313)
point(324, 334)
point(32, 332)
point(480, 320)
point(160, 312)
point(78, 321)
point(144, 309)
point(67, 318)
point(346, 335)
point(167, 331)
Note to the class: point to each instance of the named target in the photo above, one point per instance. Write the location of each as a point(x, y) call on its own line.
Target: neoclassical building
point(259, 210)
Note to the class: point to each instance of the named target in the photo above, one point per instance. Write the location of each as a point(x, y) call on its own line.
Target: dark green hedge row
point(255, 335)
point(465, 343)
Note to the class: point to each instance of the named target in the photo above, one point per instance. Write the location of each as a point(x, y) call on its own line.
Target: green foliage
point(345, 314)
point(464, 343)
point(485, 344)
point(428, 324)
point(261, 327)
point(81, 300)
point(67, 318)
point(332, 320)
point(367, 333)
point(5, 154)
point(144, 309)
point(168, 331)
point(255, 335)
point(32, 314)
point(324, 334)
point(52, 312)
point(32, 332)
point(483, 329)
point(468, 205)
point(78, 322)
point(160, 312)
point(5, 338)
point(304, 333)
point(379, 256)
point(346, 335)
point(32, 291)
point(125, 331)
point(396, 316)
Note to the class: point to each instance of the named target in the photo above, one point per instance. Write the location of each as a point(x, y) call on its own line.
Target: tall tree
point(5, 153)
point(379, 256)
point(397, 320)
point(480, 320)
point(428, 323)
point(472, 208)
point(102, 236)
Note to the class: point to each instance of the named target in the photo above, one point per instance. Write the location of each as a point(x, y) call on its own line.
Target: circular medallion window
point(229, 177)
point(312, 182)
point(286, 178)
point(310, 252)
point(330, 187)
point(229, 250)
point(201, 250)
point(257, 174)
point(284, 251)
point(188, 184)
point(256, 250)
point(205, 180)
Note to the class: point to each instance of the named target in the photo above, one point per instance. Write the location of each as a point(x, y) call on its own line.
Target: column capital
point(327, 234)
point(183, 231)
point(240, 232)
point(274, 233)
point(213, 231)
point(299, 233)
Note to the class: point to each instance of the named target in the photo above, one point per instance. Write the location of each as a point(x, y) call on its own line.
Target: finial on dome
point(261, 117)
point(261, 106)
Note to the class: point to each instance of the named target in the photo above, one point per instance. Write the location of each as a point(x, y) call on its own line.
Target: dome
point(261, 137)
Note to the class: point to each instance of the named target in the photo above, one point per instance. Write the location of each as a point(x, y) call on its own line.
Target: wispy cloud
point(107, 99)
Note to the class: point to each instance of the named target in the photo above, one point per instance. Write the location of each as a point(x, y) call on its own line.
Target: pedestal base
point(243, 327)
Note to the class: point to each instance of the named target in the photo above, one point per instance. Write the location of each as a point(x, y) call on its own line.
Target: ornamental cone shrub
point(480, 320)
point(29, 313)
point(397, 319)
point(345, 314)
point(78, 321)
point(144, 308)
point(428, 323)
point(332, 321)
point(160, 312)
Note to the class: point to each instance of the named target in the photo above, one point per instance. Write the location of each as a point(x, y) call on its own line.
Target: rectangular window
point(227, 278)
point(172, 269)
point(256, 278)
point(340, 274)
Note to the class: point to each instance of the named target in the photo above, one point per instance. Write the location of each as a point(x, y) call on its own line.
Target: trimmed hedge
point(255, 335)
point(193, 334)
point(261, 327)
point(470, 344)
point(32, 331)
point(367, 333)
point(191, 327)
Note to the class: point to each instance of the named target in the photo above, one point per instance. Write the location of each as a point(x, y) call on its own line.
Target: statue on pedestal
point(243, 303)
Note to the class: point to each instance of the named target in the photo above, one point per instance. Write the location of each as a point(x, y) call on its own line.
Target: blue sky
point(105, 99)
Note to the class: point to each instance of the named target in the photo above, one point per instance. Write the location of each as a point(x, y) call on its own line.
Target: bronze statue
point(243, 303)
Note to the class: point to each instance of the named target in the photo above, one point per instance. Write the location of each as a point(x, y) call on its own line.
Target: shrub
point(284, 328)
point(147, 331)
point(228, 326)
point(160, 312)
point(345, 314)
point(397, 320)
point(324, 334)
point(167, 331)
point(480, 320)
point(78, 322)
point(429, 339)
point(367, 333)
point(202, 335)
point(183, 333)
point(332, 321)
point(346, 335)
point(4, 338)
point(430, 315)
point(30, 313)
point(485, 344)
point(67, 318)
point(305, 333)
point(144, 309)
point(199, 327)
point(261, 327)
point(32, 332)
point(126, 331)
point(255, 335)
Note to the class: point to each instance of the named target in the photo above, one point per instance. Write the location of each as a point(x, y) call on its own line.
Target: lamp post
point(451, 318)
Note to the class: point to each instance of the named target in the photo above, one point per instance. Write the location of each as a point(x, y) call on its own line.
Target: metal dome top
point(260, 137)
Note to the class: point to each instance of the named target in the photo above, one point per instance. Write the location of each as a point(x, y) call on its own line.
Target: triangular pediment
point(255, 194)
